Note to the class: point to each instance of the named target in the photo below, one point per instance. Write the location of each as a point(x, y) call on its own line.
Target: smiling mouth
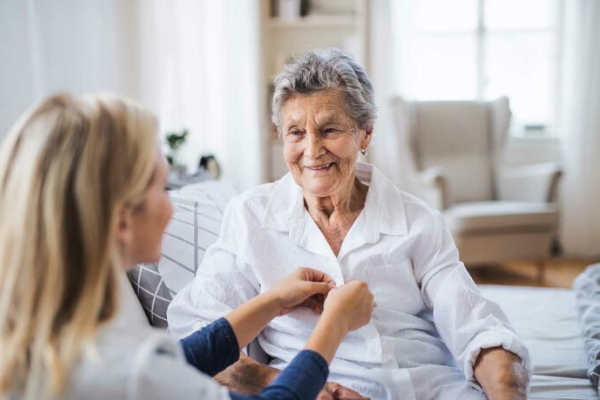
point(320, 167)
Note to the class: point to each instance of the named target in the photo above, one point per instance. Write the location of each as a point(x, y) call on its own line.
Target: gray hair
point(326, 69)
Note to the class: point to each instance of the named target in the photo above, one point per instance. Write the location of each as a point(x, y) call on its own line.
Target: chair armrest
point(536, 183)
point(431, 185)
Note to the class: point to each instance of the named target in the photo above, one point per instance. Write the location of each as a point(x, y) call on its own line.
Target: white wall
point(19, 83)
point(67, 45)
point(521, 151)
point(194, 63)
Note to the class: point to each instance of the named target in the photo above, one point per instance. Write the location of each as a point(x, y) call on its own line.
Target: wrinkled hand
point(501, 374)
point(305, 287)
point(335, 391)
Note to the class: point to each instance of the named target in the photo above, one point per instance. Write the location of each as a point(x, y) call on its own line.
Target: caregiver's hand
point(351, 305)
point(345, 309)
point(305, 287)
point(294, 291)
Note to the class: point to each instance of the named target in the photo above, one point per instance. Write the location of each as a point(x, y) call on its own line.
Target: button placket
point(337, 274)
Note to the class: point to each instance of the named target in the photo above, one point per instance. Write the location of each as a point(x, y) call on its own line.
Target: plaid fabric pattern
point(194, 226)
point(152, 292)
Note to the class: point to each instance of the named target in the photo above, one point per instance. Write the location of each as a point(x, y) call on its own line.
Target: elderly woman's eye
point(295, 132)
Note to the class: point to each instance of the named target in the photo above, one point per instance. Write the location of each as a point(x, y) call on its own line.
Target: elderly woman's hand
point(501, 374)
point(305, 287)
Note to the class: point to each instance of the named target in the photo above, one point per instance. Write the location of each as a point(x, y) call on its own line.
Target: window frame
point(481, 34)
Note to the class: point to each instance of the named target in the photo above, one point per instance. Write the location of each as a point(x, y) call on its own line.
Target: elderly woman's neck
point(349, 200)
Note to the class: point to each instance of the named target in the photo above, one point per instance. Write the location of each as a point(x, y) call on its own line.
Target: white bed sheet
point(546, 319)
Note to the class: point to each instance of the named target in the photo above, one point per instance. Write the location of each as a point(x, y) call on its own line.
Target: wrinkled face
point(321, 142)
point(148, 222)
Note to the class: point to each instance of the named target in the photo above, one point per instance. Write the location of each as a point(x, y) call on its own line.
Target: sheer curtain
point(200, 70)
point(195, 63)
point(389, 41)
point(70, 45)
point(581, 187)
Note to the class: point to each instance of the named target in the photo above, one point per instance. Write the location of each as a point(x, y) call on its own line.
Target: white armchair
point(451, 153)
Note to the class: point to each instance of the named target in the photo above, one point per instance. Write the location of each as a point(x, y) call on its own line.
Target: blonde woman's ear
point(125, 236)
point(125, 227)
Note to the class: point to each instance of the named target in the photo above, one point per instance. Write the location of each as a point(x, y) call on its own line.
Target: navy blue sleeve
point(303, 379)
point(212, 348)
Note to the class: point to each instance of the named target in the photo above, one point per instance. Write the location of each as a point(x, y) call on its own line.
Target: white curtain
point(200, 70)
point(389, 40)
point(195, 63)
point(581, 186)
point(70, 45)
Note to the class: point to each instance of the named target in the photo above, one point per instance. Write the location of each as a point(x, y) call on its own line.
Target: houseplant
point(175, 140)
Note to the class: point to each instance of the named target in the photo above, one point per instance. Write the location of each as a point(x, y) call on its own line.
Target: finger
point(312, 288)
point(319, 276)
point(328, 279)
point(313, 304)
point(343, 393)
point(319, 298)
point(354, 396)
point(313, 301)
point(324, 395)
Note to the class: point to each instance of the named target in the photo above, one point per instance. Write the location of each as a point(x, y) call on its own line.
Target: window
point(483, 49)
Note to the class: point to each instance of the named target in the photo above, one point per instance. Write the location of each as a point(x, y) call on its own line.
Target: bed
point(547, 321)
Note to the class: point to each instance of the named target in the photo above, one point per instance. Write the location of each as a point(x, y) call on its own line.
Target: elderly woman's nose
point(314, 146)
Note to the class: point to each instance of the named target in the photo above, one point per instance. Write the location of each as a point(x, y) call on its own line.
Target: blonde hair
point(67, 168)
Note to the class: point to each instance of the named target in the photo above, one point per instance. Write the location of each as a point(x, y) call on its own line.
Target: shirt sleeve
point(302, 379)
point(466, 321)
point(223, 281)
point(212, 348)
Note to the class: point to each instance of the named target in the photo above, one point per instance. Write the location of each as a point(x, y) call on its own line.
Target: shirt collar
point(384, 210)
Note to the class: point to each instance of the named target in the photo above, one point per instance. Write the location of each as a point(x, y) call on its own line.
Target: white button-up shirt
point(429, 318)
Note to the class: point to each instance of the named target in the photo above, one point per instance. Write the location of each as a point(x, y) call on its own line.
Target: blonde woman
point(82, 199)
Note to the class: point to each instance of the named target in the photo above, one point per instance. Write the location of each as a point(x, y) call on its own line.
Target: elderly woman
point(432, 335)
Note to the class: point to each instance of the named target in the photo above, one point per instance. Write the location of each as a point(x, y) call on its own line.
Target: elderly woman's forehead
point(321, 102)
point(325, 95)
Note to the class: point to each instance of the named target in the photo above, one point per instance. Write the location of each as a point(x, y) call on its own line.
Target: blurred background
point(206, 67)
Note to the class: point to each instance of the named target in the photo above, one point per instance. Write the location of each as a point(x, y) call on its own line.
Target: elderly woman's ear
point(365, 140)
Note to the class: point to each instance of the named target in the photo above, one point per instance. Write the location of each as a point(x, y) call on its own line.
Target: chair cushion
point(194, 226)
point(501, 217)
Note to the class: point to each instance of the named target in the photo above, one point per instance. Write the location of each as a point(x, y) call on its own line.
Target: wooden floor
point(557, 273)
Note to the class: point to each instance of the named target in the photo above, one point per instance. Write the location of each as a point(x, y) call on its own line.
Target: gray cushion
point(195, 225)
point(152, 293)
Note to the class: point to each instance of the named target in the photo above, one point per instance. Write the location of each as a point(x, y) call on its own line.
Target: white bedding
point(547, 321)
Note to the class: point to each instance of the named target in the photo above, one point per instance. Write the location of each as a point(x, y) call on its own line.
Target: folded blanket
point(587, 292)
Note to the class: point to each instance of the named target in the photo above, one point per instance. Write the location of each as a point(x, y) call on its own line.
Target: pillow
point(194, 226)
